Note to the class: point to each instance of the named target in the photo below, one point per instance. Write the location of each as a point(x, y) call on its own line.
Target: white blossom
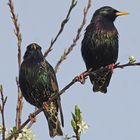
point(26, 134)
point(1, 129)
point(82, 127)
point(8, 133)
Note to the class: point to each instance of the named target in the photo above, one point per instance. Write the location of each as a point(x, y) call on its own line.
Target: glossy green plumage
point(38, 83)
point(100, 46)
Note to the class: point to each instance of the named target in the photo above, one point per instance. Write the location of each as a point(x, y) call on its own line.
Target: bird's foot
point(32, 118)
point(111, 67)
point(82, 77)
point(45, 105)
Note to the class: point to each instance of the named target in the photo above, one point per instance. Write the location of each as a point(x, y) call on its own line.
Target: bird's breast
point(105, 38)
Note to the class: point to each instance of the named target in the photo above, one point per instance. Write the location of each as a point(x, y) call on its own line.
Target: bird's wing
point(53, 85)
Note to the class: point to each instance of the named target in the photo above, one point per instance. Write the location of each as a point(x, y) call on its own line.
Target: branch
point(2, 106)
point(19, 40)
point(69, 49)
point(41, 109)
point(73, 4)
point(126, 65)
point(68, 138)
point(16, 30)
point(24, 124)
point(19, 105)
point(89, 72)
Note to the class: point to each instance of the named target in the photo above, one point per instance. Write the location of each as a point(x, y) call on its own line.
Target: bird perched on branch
point(100, 46)
point(38, 83)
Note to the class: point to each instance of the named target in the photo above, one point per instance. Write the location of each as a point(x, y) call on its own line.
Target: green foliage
point(77, 122)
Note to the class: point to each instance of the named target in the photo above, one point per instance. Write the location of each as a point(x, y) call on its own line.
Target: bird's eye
point(29, 49)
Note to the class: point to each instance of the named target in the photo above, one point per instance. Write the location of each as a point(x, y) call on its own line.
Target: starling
point(38, 83)
point(100, 46)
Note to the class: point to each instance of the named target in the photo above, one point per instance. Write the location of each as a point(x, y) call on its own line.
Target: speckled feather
point(100, 46)
point(38, 83)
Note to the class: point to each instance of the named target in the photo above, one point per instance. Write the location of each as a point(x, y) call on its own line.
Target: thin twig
point(77, 137)
point(89, 72)
point(33, 120)
point(69, 49)
point(117, 65)
point(19, 105)
point(2, 106)
point(126, 65)
point(68, 138)
point(19, 40)
point(73, 4)
point(24, 124)
point(16, 30)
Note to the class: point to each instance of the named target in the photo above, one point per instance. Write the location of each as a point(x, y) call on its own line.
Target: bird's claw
point(81, 78)
point(111, 67)
point(45, 105)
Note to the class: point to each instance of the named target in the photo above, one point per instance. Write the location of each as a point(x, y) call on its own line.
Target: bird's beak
point(121, 13)
point(34, 47)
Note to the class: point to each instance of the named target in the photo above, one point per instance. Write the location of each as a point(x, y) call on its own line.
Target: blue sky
point(115, 115)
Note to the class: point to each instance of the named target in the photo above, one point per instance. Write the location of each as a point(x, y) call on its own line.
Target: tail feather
point(51, 114)
point(101, 80)
point(61, 112)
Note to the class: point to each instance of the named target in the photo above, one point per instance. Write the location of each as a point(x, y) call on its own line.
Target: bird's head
point(33, 52)
point(108, 13)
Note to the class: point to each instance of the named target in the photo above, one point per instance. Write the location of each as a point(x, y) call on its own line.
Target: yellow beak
point(34, 47)
point(121, 13)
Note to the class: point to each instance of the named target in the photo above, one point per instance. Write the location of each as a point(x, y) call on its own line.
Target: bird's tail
point(101, 80)
point(51, 113)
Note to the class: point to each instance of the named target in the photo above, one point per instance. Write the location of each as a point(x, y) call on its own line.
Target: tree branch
point(16, 30)
point(73, 4)
point(41, 109)
point(89, 72)
point(19, 40)
point(126, 65)
point(2, 106)
point(19, 105)
point(69, 49)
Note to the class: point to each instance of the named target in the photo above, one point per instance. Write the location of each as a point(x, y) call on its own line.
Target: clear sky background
point(111, 116)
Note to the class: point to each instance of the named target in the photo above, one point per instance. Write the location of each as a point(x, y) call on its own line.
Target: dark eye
point(29, 49)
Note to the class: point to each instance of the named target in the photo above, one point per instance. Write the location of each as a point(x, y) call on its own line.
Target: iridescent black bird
point(100, 45)
point(38, 83)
